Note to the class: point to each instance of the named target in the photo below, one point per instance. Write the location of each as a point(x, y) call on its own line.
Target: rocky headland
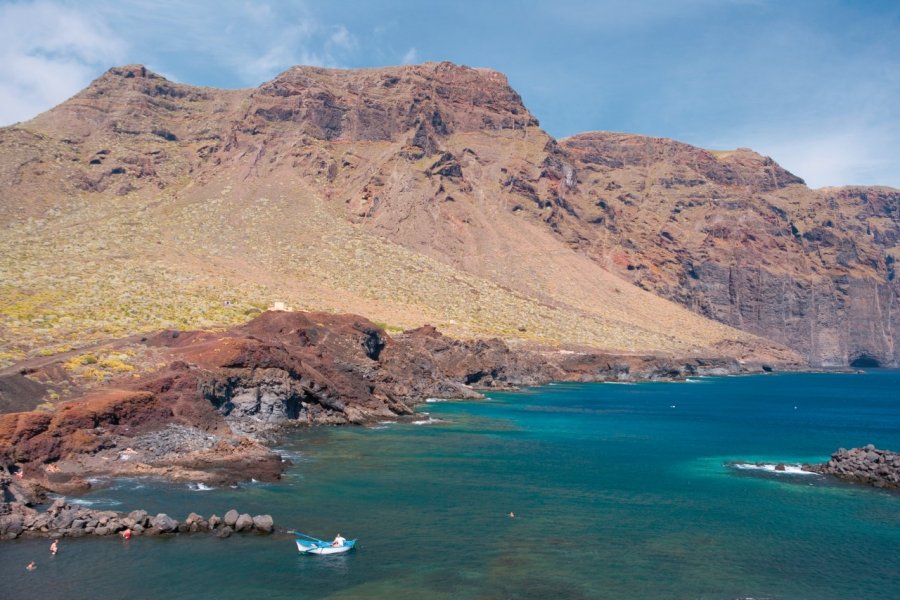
point(867, 465)
point(208, 414)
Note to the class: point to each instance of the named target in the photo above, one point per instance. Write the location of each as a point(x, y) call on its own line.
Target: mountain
point(422, 194)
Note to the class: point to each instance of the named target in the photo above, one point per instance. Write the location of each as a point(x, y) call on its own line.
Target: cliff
point(735, 237)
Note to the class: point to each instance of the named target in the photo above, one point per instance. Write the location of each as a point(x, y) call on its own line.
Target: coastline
point(209, 414)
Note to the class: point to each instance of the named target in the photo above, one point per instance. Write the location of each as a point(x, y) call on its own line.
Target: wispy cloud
point(410, 57)
point(47, 53)
point(832, 156)
point(50, 49)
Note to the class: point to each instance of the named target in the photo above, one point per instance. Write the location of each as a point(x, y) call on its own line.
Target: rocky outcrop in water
point(867, 465)
point(68, 520)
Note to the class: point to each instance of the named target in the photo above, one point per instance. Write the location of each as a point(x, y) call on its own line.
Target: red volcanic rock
point(200, 417)
point(81, 426)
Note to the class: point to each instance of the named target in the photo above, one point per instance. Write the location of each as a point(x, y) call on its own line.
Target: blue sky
point(813, 83)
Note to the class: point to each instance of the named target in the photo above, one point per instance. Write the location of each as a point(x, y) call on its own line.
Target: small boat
point(306, 544)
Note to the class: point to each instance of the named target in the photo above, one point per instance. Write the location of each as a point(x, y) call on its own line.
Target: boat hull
point(305, 547)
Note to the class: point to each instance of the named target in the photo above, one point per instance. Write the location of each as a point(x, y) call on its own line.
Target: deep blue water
point(619, 491)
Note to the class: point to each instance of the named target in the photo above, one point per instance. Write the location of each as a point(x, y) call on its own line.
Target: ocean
point(618, 491)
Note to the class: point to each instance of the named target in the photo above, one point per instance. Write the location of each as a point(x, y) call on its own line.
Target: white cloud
point(342, 39)
point(49, 52)
point(51, 49)
point(410, 57)
point(835, 157)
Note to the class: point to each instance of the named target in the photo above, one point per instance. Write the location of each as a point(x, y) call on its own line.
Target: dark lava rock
point(867, 465)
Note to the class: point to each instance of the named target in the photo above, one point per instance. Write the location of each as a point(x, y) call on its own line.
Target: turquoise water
point(619, 491)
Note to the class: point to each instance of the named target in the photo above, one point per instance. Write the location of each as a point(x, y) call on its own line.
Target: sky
point(815, 84)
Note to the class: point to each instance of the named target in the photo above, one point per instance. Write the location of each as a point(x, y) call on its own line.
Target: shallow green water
point(619, 491)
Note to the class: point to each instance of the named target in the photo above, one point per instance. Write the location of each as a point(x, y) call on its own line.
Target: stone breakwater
point(867, 465)
point(66, 520)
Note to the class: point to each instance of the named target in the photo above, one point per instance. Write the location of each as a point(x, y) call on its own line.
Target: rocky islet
point(867, 465)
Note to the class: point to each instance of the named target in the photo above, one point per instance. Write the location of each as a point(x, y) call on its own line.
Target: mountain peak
point(132, 71)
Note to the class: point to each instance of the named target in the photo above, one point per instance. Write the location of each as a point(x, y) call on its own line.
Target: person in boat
point(338, 541)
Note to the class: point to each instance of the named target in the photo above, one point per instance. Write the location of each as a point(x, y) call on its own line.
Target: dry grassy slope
point(143, 204)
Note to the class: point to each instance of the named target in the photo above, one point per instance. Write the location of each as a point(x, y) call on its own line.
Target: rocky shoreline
point(867, 465)
point(66, 520)
point(209, 414)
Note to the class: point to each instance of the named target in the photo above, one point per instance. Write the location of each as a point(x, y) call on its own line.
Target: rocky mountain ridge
point(142, 204)
point(424, 193)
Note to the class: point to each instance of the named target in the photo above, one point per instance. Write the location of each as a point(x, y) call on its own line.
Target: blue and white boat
point(306, 544)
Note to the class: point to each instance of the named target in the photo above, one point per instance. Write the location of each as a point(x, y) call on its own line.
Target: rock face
point(67, 520)
point(205, 416)
point(735, 237)
point(868, 465)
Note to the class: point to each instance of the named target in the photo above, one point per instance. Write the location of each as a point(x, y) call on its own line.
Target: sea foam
point(771, 468)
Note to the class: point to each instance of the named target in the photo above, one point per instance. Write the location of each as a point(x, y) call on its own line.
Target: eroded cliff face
point(737, 238)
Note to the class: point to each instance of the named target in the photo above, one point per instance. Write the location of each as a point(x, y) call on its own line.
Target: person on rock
point(338, 541)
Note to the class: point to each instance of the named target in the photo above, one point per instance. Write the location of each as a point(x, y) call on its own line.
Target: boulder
point(11, 526)
point(139, 517)
point(164, 523)
point(225, 532)
point(193, 518)
point(102, 530)
point(57, 506)
point(263, 523)
point(243, 523)
point(63, 519)
point(214, 522)
point(231, 517)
